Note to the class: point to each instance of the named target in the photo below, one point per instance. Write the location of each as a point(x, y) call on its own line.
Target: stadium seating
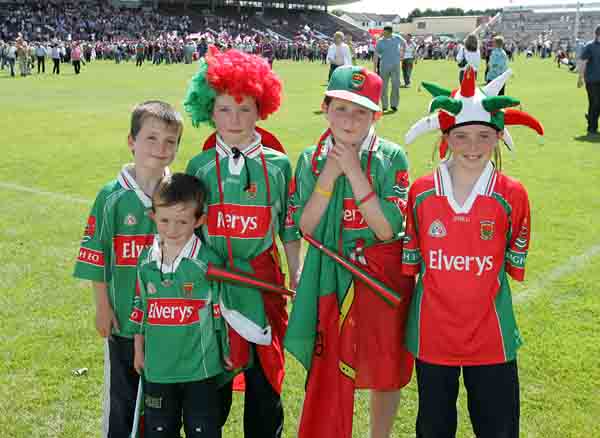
point(100, 20)
point(527, 25)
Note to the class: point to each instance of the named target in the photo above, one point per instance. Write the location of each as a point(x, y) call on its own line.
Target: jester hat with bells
point(470, 105)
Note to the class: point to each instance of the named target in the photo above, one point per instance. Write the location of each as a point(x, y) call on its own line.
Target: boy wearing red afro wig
point(248, 183)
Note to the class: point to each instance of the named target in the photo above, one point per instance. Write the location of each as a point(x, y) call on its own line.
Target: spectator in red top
point(76, 57)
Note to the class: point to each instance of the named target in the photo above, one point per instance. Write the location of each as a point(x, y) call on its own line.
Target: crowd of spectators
point(94, 21)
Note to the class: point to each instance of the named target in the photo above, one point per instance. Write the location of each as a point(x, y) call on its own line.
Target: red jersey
point(461, 312)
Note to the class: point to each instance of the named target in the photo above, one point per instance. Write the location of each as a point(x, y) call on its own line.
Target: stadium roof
point(358, 16)
point(338, 2)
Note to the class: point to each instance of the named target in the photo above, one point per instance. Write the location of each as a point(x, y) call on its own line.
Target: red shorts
point(382, 361)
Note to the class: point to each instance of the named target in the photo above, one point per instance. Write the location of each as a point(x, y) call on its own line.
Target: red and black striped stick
point(214, 273)
point(387, 294)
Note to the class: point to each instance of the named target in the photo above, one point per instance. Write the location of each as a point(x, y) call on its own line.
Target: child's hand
point(138, 362)
point(332, 167)
point(347, 158)
point(105, 321)
point(228, 363)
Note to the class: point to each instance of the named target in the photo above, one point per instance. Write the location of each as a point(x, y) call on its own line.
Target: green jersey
point(177, 312)
point(118, 229)
point(386, 167)
point(248, 198)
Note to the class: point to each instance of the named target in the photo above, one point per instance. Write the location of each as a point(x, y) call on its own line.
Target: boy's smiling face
point(155, 145)
point(176, 223)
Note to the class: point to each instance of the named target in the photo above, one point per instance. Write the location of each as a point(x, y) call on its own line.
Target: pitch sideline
point(34, 191)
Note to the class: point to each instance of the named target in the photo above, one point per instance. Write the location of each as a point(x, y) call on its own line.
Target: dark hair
point(597, 30)
point(388, 28)
point(471, 42)
point(180, 188)
point(158, 110)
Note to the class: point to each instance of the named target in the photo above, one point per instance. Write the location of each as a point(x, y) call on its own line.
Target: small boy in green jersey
point(178, 345)
point(118, 229)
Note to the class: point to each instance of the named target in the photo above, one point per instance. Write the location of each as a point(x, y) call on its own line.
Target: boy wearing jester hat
point(468, 229)
point(350, 195)
point(248, 178)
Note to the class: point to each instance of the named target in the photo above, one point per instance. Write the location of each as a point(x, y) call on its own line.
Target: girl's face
point(350, 123)
point(472, 146)
point(235, 122)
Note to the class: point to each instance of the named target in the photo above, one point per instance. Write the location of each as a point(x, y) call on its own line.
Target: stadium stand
point(101, 20)
point(527, 24)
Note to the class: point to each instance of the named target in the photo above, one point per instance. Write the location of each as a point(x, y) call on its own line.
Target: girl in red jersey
point(468, 228)
point(248, 179)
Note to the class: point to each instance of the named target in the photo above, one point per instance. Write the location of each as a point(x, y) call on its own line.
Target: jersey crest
point(251, 192)
point(437, 229)
point(486, 230)
point(130, 220)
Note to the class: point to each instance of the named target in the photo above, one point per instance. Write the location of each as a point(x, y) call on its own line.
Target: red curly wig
point(240, 74)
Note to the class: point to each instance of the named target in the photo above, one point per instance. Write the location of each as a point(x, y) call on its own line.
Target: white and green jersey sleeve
point(118, 229)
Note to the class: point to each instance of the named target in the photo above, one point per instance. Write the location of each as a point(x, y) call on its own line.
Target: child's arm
point(315, 204)
point(292, 254)
point(105, 316)
point(138, 358)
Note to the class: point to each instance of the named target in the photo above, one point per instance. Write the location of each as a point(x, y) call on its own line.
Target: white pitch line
point(34, 191)
point(574, 264)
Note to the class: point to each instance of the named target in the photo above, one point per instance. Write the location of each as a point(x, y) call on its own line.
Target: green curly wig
point(200, 98)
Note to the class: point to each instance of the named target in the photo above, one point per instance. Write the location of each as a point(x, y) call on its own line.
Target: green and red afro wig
point(235, 73)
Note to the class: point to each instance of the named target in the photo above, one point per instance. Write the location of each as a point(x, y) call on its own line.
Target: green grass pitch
point(64, 137)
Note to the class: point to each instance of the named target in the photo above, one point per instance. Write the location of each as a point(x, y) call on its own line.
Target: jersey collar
point(128, 182)
point(484, 186)
point(189, 251)
point(253, 150)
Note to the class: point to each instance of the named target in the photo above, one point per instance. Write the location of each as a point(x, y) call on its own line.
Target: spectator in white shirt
point(40, 53)
point(468, 54)
point(55, 54)
point(408, 61)
point(338, 53)
point(11, 57)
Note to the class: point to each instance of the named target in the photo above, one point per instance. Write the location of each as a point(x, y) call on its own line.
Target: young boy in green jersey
point(178, 344)
point(118, 229)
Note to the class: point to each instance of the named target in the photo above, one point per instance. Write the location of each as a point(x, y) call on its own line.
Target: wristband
point(322, 191)
point(365, 198)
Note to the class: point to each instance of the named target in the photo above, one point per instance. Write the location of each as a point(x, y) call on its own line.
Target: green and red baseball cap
point(357, 85)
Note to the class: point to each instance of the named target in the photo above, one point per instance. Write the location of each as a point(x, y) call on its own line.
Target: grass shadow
point(588, 138)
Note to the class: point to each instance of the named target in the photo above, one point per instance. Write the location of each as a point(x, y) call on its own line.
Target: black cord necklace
point(236, 155)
